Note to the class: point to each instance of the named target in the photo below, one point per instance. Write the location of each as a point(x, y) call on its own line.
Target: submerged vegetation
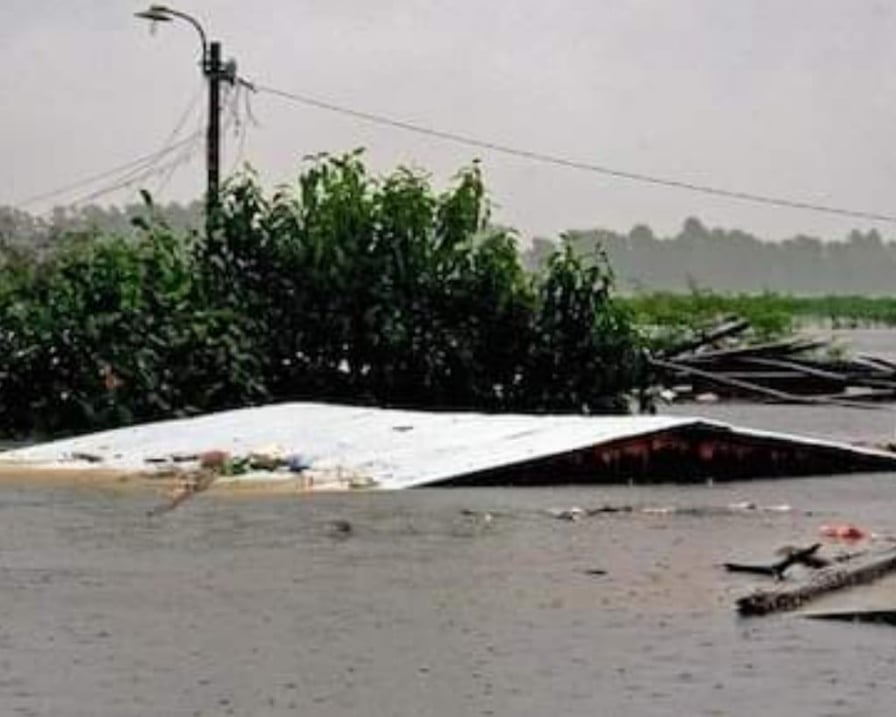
point(671, 315)
point(771, 315)
point(345, 287)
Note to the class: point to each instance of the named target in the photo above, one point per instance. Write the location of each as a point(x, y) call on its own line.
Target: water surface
point(433, 602)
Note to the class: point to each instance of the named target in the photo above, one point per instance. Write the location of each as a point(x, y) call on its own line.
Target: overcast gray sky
point(783, 97)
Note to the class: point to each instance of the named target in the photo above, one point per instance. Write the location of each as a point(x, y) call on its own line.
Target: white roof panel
point(395, 448)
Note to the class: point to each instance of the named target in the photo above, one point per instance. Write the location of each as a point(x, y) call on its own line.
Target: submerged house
point(327, 446)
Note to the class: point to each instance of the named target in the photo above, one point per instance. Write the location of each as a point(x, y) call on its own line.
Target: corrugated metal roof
point(397, 449)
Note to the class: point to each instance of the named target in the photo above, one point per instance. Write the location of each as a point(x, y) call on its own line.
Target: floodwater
point(433, 602)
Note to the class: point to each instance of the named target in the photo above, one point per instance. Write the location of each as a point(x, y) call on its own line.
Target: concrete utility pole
point(213, 140)
point(215, 72)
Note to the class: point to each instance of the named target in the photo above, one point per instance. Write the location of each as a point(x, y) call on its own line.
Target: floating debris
point(483, 515)
point(873, 617)
point(186, 486)
point(571, 514)
point(809, 558)
point(362, 482)
point(793, 556)
point(297, 463)
point(340, 528)
point(721, 363)
point(267, 458)
point(214, 460)
point(843, 531)
point(86, 457)
point(838, 576)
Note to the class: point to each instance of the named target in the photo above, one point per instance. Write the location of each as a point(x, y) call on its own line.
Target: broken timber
point(806, 556)
point(749, 387)
point(787, 371)
point(825, 581)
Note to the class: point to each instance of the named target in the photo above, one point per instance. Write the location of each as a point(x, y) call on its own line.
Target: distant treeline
point(734, 261)
point(22, 229)
point(720, 260)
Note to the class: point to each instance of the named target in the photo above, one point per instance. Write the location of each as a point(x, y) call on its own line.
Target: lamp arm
point(195, 23)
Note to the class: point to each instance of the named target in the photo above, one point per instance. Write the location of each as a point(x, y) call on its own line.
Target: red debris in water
point(843, 531)
point(214, 460)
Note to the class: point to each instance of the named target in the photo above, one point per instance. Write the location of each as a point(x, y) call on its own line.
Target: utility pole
point(215, 72)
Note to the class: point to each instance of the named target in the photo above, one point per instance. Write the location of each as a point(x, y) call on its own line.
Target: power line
point(569, 163)
point(187, 153)
point(190, 145)
point(184, 157)
point(132, 167)
point(185, 115)
point(243, 118)
point(145, 172)
point(134, 164)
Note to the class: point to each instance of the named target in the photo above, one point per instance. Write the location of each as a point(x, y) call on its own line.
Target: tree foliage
point(343, 287)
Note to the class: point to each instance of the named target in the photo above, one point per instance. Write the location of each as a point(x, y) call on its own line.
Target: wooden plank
point(881, 364)
point(780, 396)
point(797, 367)
point(777, 348)
point(731, 326)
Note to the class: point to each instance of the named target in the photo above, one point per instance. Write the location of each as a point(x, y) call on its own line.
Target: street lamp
point(216, 72)
point(161, 13)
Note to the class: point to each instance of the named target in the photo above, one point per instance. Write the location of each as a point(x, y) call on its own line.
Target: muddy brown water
point(418, 603)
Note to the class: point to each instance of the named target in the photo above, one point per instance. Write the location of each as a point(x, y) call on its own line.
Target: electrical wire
point(240, 148)
point(192, 143)
point(243, 117)
point(135, 166)
point(185, 116)
point(195, 143)
point(557, 160)
point(183, 158)
point(187, 154)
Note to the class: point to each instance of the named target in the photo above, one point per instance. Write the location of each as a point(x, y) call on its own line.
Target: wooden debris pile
point(722, 363)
